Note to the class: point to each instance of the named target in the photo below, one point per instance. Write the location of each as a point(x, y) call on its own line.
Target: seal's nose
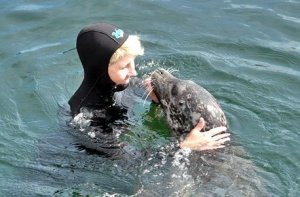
point(161, 71)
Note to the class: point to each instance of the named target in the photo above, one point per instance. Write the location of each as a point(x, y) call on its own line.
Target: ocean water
point(247, 54)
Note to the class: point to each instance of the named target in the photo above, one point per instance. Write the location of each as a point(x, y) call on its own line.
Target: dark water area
point(247, 54)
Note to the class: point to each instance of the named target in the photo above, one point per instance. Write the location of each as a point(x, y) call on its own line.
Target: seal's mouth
point(159, 82)
point(156, 83)
point(155, 86)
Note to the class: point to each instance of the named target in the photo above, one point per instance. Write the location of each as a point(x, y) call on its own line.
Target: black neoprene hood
point(95, 45)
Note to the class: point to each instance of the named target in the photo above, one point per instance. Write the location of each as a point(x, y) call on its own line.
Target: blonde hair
point(132, 46)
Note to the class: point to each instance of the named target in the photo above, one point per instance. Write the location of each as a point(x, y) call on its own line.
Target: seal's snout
point(162, 77)
point(159, 83)
point(162, 73)
point(158, 73)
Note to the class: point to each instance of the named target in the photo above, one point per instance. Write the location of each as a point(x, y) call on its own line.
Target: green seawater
point(246, 53)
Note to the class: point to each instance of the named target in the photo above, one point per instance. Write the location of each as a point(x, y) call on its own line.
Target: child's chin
point(126, 81)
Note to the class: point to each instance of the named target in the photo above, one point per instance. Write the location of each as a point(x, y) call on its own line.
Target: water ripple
point(35, 48)
point(31, 7)
point(289, 18)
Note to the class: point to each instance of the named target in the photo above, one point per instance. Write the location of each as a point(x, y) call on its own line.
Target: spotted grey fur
point(184, 103)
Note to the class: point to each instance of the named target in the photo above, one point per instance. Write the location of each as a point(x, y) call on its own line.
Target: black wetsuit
point(95, 46)
point(94, 98)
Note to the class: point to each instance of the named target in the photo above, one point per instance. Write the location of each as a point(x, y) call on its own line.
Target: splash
point(82, 121)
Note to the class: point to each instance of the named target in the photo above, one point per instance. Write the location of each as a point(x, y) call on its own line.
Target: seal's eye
point(174, 90)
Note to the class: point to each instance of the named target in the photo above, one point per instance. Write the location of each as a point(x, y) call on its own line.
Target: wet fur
point(184, 103)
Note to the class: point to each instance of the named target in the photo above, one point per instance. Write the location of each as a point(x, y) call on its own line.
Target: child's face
point(122, 70)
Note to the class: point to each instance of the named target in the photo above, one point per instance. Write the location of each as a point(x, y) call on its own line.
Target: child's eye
point(126, 66)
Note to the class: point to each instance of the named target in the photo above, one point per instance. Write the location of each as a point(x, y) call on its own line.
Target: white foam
point(92, 134)
point(181, 158)
point(82, 121)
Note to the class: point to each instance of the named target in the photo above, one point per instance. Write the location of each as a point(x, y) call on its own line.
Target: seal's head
point(184, 103)
point(163, 82)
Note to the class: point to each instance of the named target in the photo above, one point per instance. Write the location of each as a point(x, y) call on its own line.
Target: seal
point(184, 103)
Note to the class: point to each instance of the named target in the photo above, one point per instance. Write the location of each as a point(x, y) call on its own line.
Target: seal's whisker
point(144, 94)
point(142, 85)
point(147, 96)
point(171, 70)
